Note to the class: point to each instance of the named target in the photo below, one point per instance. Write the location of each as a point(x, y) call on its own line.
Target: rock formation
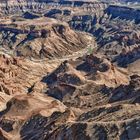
point(69, 70)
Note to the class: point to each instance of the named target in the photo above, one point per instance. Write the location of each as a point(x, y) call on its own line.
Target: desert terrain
point(69, 70)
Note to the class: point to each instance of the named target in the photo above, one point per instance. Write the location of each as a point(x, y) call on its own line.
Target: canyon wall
point(10, 7)
point(124, 13)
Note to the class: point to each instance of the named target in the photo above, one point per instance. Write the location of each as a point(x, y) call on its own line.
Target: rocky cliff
point(40, 38)
point(39, 6)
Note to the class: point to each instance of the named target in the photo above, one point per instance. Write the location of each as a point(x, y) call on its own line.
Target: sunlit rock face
point(41, 38)
point(13, 7)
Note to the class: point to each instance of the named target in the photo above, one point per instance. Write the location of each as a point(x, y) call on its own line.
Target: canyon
point(69, 70)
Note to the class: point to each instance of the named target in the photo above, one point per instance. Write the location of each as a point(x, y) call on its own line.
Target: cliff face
point(41, 38)
point(13, 7)
point(64, 8)
point(41, 6)
point(124, 13)
point(38, 6)
point(113, 35)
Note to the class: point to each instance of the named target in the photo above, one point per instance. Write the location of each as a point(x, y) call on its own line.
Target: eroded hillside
point(69, 70)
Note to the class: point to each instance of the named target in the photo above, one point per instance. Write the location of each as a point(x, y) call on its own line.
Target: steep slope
point(91, 104)
point(40, 38)
point(79, 84)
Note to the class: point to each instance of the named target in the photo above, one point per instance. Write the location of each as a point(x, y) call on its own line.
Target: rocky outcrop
point(48, 38)
point(88, 107)
point(65, 83)
point(98, 18)
point(113, 35)
point(21, 6)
